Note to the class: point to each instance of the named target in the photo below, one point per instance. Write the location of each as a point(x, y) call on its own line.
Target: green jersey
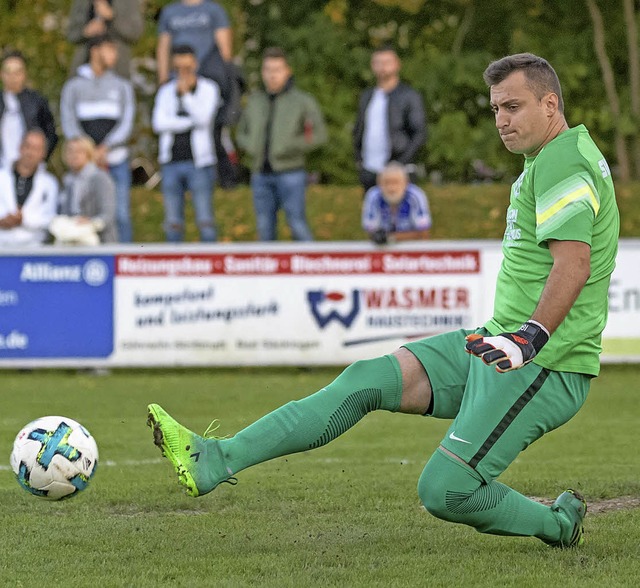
point(564, 193)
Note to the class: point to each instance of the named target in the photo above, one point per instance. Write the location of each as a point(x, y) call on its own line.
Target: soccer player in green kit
point(542, 343)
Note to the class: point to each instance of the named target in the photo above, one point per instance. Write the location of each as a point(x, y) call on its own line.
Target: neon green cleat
point(198, 461)
point(572, 508)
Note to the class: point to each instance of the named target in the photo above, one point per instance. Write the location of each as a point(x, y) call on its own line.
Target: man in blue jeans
point(278, 127)
point(183, 116)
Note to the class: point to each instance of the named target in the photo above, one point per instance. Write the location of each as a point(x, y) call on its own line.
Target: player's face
point(14, 75)
point(109, 55)
point(522, 120)
point(385, 65)
point(275, 74)
point(185, 65)
point(32, 150)
point(393, 186)
point(76, 156)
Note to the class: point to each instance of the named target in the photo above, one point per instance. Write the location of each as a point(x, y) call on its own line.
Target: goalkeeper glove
point(509, 351)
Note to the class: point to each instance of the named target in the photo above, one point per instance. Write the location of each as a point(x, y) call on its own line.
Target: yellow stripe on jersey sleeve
point(584, 192)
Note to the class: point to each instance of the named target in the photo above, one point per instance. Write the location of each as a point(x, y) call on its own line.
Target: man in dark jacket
point(391, 123)
point(278, 127)
point(21, 109)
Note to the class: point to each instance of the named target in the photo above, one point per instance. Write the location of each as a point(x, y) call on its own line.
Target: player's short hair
point(99, 40)
point(275, 53)
point(541, 77)
point(35, 131)
point(182, 50)
point(13, 54)
point(394, 167)
point(86, 143)
point(385, 48)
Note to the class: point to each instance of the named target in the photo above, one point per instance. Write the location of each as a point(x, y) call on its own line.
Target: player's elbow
point(580, 269)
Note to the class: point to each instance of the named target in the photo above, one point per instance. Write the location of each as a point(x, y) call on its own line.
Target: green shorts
point(495, 416)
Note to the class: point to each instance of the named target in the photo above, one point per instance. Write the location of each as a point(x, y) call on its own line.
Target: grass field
point(344, 515)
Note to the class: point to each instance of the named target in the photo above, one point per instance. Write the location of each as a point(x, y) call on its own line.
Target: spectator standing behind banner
point(100, 104)
point(87, 200)
point(391, 122)
point(395, 209)
point(21, 109)
point(279, 125)
point(183, 115)
point(121, 19)
point(205, 26)
point(28, 195)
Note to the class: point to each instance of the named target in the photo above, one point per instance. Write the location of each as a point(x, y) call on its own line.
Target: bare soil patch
point(600, 506)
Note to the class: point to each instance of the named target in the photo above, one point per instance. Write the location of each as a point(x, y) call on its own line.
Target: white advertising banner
point(261, 304)
point(307, 307)
point(621, 337)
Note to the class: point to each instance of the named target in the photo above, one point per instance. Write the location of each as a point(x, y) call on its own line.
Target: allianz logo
point(93, 272)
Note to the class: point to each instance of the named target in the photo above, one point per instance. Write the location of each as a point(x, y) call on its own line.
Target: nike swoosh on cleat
point(454, 438)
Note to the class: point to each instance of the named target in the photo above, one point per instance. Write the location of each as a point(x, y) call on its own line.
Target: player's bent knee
point(380, 377)
point(432, 488)
point(442, 483)
point(364, 369)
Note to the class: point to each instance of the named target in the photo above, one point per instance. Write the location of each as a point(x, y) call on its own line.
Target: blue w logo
point(54, 443)
point(316, 299)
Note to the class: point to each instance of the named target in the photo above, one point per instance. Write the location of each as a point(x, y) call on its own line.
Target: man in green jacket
point(278, 127)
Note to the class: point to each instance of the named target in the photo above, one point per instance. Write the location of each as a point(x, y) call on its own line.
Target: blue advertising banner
point(56, 306)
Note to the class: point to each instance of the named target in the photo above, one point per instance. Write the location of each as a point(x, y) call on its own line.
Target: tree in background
point(444, 45)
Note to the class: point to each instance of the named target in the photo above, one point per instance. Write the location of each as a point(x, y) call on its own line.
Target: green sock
point(317, 419)
point(454, 492)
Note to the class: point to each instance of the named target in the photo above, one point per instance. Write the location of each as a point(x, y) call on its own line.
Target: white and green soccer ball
point(54, 457)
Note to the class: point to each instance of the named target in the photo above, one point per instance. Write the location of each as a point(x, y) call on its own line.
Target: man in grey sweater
point(99, 104)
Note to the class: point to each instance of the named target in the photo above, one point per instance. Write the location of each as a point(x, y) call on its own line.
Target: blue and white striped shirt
point(411, 214)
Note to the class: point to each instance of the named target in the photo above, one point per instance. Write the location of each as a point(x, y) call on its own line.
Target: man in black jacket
point(391, 123)
point(21, 109)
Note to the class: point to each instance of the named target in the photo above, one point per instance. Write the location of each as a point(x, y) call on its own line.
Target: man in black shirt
point(21, 109)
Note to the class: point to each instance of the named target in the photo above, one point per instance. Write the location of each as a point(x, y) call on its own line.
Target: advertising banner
point(56, 307)
point(621, 337)
point(261, 304)
point(312, 307)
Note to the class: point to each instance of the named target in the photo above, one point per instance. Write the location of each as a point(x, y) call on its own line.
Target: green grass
point(344, 515)
point(474, 211)
point(621, 346)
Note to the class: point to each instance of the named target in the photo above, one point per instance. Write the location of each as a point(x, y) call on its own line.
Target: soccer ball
point(54, 457)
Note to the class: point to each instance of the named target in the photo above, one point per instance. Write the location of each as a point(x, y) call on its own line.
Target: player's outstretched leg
point(202, 464)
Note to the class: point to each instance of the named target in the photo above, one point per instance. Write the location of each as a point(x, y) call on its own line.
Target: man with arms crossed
point(28, 195)
point(544, 340)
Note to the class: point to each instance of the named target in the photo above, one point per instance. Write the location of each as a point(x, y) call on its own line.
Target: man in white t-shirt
point(391, 123)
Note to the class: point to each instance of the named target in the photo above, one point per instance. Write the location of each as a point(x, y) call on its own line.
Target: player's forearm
point(224, 41)
point(162, 57)
point(570, 272)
